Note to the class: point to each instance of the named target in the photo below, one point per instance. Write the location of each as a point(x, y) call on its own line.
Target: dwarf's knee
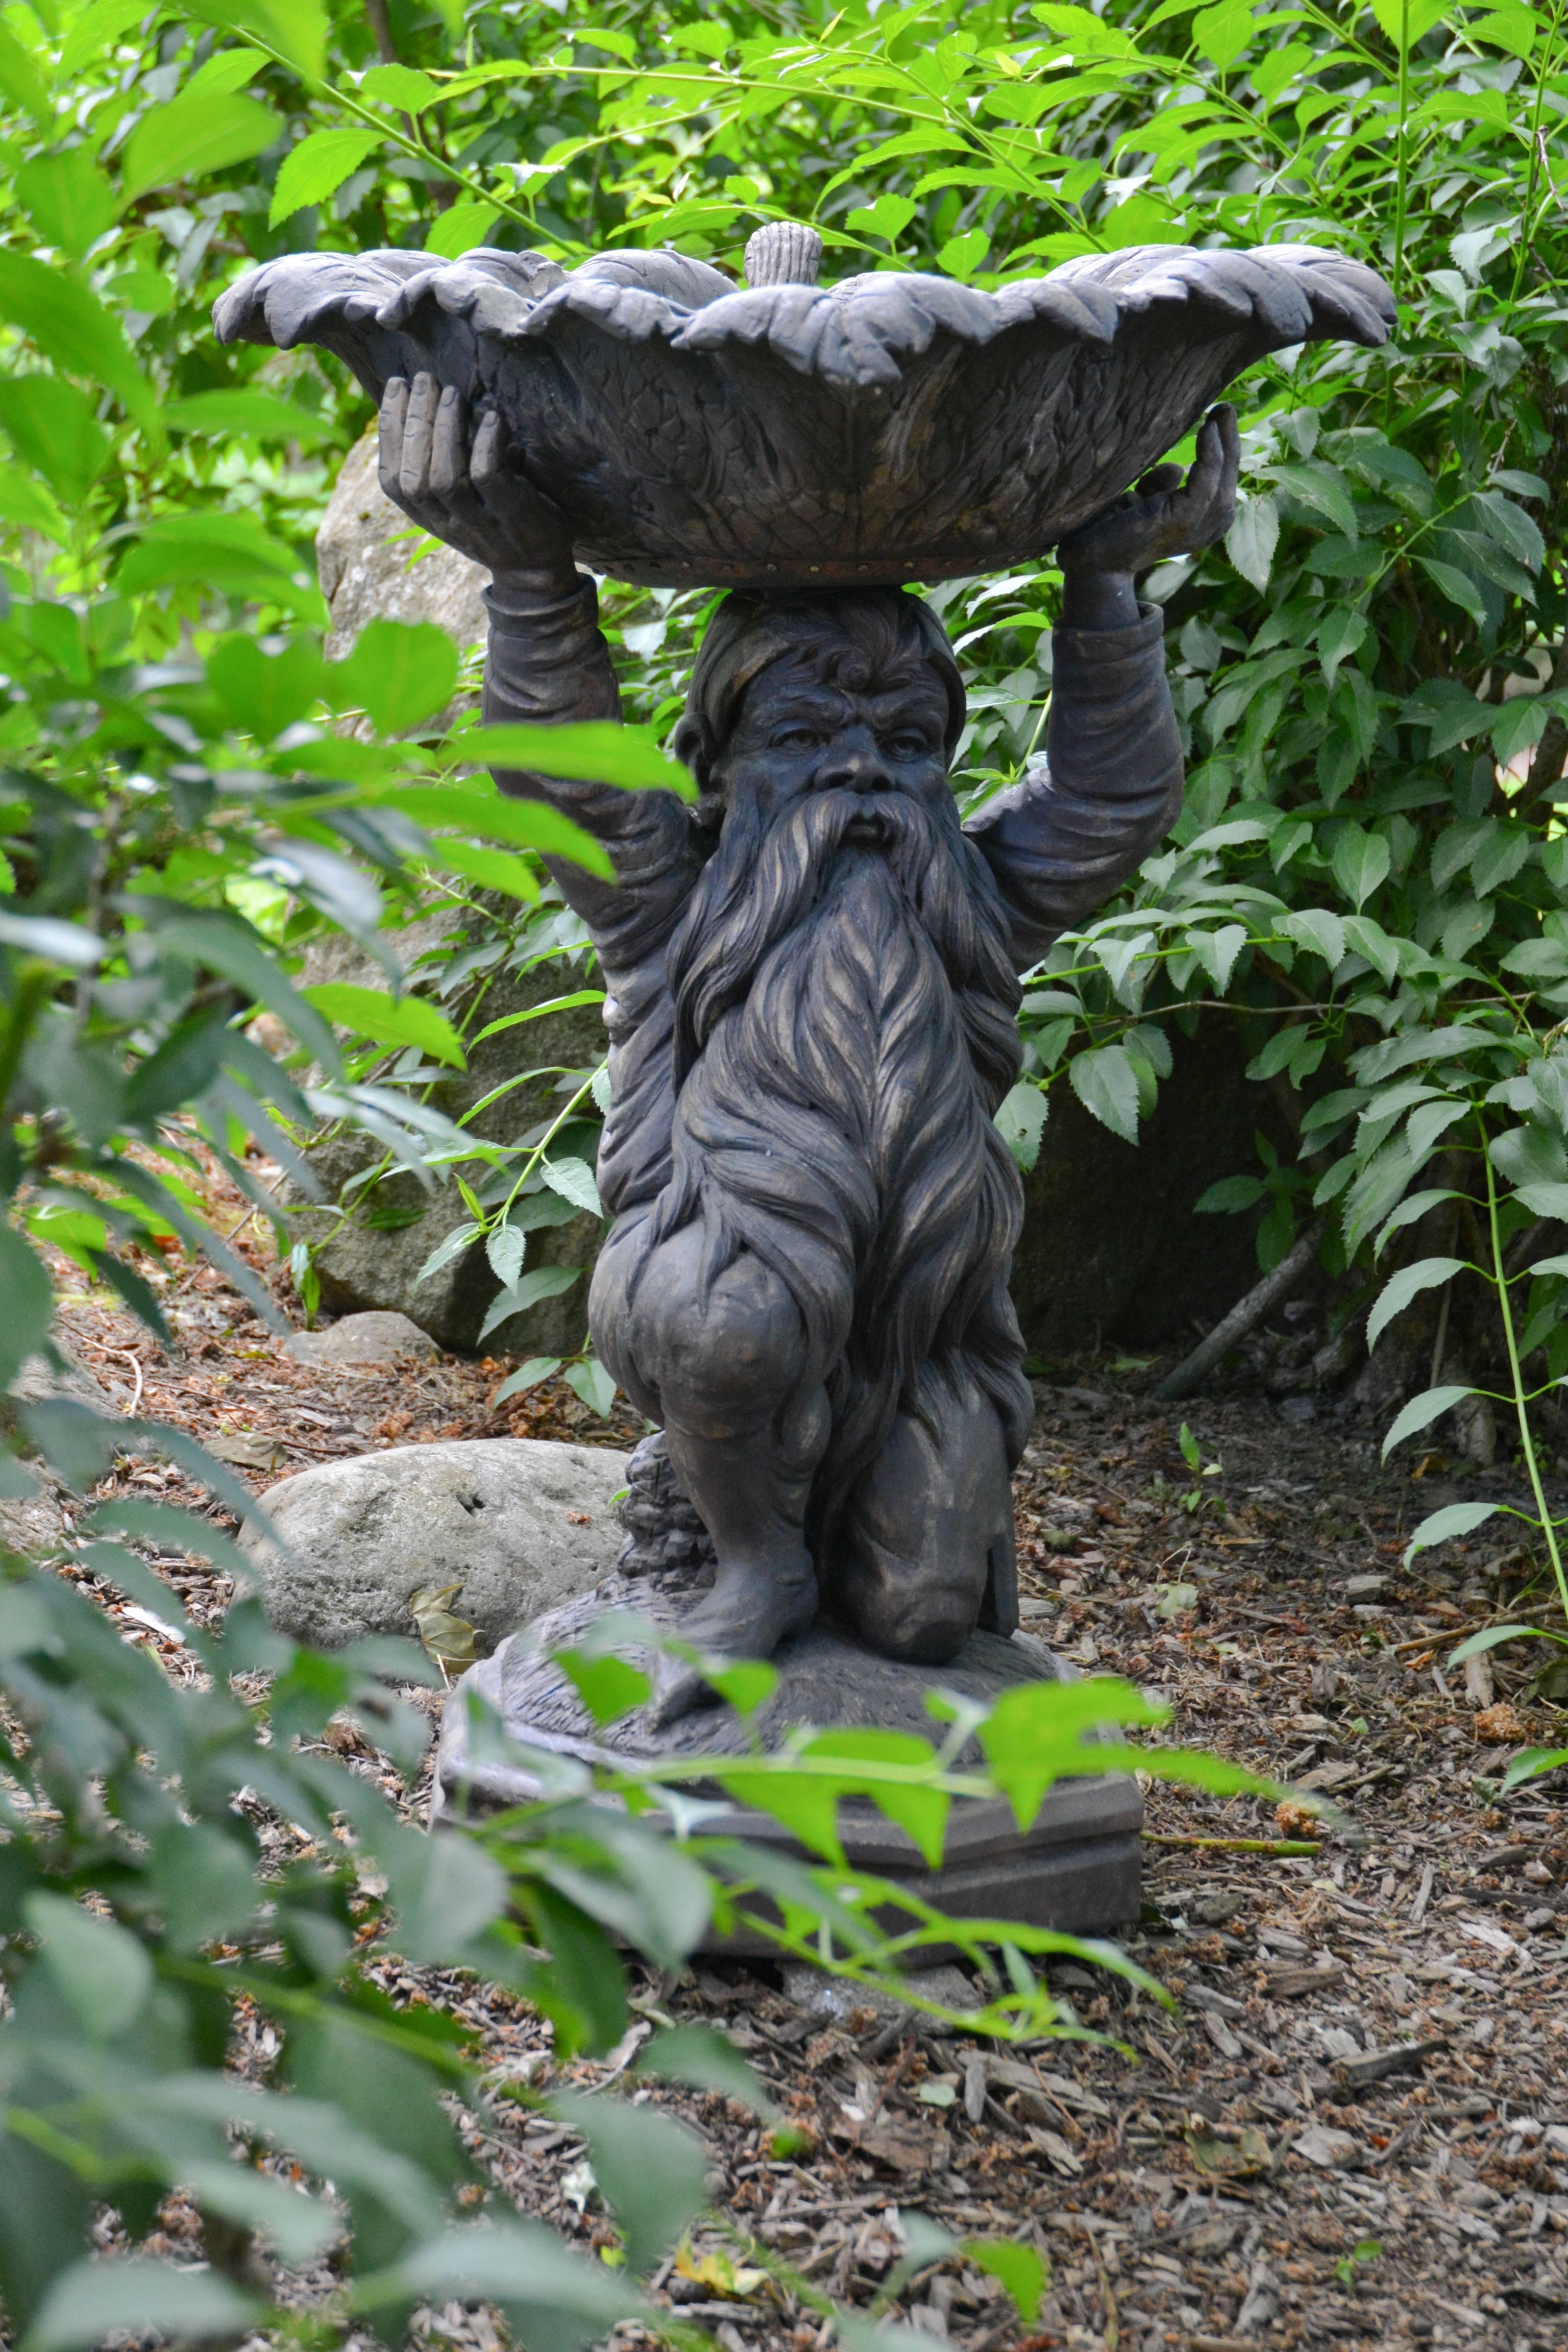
point(721, 1356)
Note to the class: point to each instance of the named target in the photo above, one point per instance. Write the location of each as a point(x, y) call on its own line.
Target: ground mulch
point(1353, 2127)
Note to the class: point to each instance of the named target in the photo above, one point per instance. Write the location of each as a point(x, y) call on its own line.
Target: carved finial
point(785, 253)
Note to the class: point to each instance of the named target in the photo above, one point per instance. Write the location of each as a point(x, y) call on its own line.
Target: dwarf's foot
point(749, 1610)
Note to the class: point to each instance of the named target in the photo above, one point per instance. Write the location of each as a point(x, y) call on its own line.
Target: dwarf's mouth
point(867, 832)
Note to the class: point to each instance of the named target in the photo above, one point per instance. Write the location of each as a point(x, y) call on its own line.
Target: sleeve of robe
point(1109, 789)
point(548, 664)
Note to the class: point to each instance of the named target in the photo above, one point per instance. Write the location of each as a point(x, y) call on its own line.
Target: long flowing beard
point(844, 1030)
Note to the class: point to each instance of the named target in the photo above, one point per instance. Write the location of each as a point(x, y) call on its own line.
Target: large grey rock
point(372, 1339)
point(520, 1524)
point(362, 551)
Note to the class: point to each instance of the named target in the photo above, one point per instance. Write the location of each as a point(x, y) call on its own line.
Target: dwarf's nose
point(853, 763)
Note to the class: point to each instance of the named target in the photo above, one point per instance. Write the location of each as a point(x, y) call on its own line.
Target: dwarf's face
point(799, 733)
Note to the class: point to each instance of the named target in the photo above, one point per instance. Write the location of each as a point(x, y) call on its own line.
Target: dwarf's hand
point(1164, 515)
point(466, 490)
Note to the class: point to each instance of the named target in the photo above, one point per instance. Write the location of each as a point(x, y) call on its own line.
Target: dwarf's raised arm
point(1107, 793)
point(547, 663)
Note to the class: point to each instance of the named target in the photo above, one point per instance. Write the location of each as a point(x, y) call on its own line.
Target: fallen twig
point(1283, 1846)
point(1244, 1315)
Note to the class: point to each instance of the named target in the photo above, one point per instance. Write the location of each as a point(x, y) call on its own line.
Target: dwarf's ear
point(693, 748)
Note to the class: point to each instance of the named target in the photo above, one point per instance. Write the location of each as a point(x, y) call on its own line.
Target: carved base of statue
point(1076, 1868)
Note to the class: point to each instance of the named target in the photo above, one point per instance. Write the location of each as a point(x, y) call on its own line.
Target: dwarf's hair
point(849, 636)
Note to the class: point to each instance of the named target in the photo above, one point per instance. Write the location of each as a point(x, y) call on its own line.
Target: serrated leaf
point(1454, 585)
point(1428, 1274)
point(1018, 2269)
point(1020, 1116)
point(317, 168)
point(1106, 1083)
point(650, 2167)
point(459, 229)
point(72, 328)
point(1440, 1527)
point(71, 200)
point(594, 752)
point(1422, 1411)
point(401, 86)
point(1252, 538)
point(593, 1383)
point(574, 1179)
point(1360, 862)
point(527, 1376)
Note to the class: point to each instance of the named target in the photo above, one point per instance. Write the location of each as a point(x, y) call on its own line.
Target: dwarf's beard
point(768, 878)
point(845, 1029)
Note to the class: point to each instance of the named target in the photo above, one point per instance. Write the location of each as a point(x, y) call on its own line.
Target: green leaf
point(521, 2263)
point(1458, 589)
point(593, 1384)
point(593, 750)
point(608, 1687)
point(1315, 928)
point(1221, 34)
point(20, 80)
point(706, 2060)
point(69, 199)
point(1422, 1411)
point(490, 869)
point(1252, 538)
point(544, 1282)
point(53, 429)
point(527, 1376)
point(1020, 1116)
point(401, 1021)
point(461, 228)
point(528, 824)
point(252, 415)
point(226, 551)
point(29, 1304)
point(1036, 1734)
point(1321, 488)
point(1106, 1083)
point(1341, 633)
point(1453, 1519)
point(317, 168)
point(1491, 1637)
point(887, 219)
point(1428, 1274)
point(264, 693)
point(401, 86)
point(193, 136)
point(574, 1179)
point(298, 28)
point(72, 328)
point(224, 71)
point(1406, 22)
point(1360, 862)
point(960, 257)
point(97, 2298)
point(102, 1970)
point(1018, 2268)
point(399, 673)
point(921, 1813)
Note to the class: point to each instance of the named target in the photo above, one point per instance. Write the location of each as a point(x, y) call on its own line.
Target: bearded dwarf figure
point(812, 985)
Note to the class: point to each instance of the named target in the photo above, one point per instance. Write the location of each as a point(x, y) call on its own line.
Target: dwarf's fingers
point(448, 452)
point(1158, 480)
point(391, 424)
point(418, 438)
point(484, 465)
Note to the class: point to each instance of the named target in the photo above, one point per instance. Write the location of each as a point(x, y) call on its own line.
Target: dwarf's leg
point(745, 1420)
point(925, 1553)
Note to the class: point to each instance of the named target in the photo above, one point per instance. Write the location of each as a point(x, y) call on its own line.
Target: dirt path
point(1251, 2173)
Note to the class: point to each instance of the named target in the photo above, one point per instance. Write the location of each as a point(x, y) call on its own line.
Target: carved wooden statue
point(813, 973)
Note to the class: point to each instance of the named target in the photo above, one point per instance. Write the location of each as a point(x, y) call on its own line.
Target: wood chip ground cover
point(1370, 2048)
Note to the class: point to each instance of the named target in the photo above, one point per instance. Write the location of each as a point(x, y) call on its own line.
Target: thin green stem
point(1401, 178)
point(1544, 1519)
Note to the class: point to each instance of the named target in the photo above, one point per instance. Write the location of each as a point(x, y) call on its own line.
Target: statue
point(813, 973)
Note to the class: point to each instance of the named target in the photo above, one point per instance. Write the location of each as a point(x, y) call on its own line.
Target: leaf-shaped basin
point(886, 428)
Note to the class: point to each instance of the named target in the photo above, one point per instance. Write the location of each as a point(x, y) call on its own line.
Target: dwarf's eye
point(794, 739)
point(909, 743)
